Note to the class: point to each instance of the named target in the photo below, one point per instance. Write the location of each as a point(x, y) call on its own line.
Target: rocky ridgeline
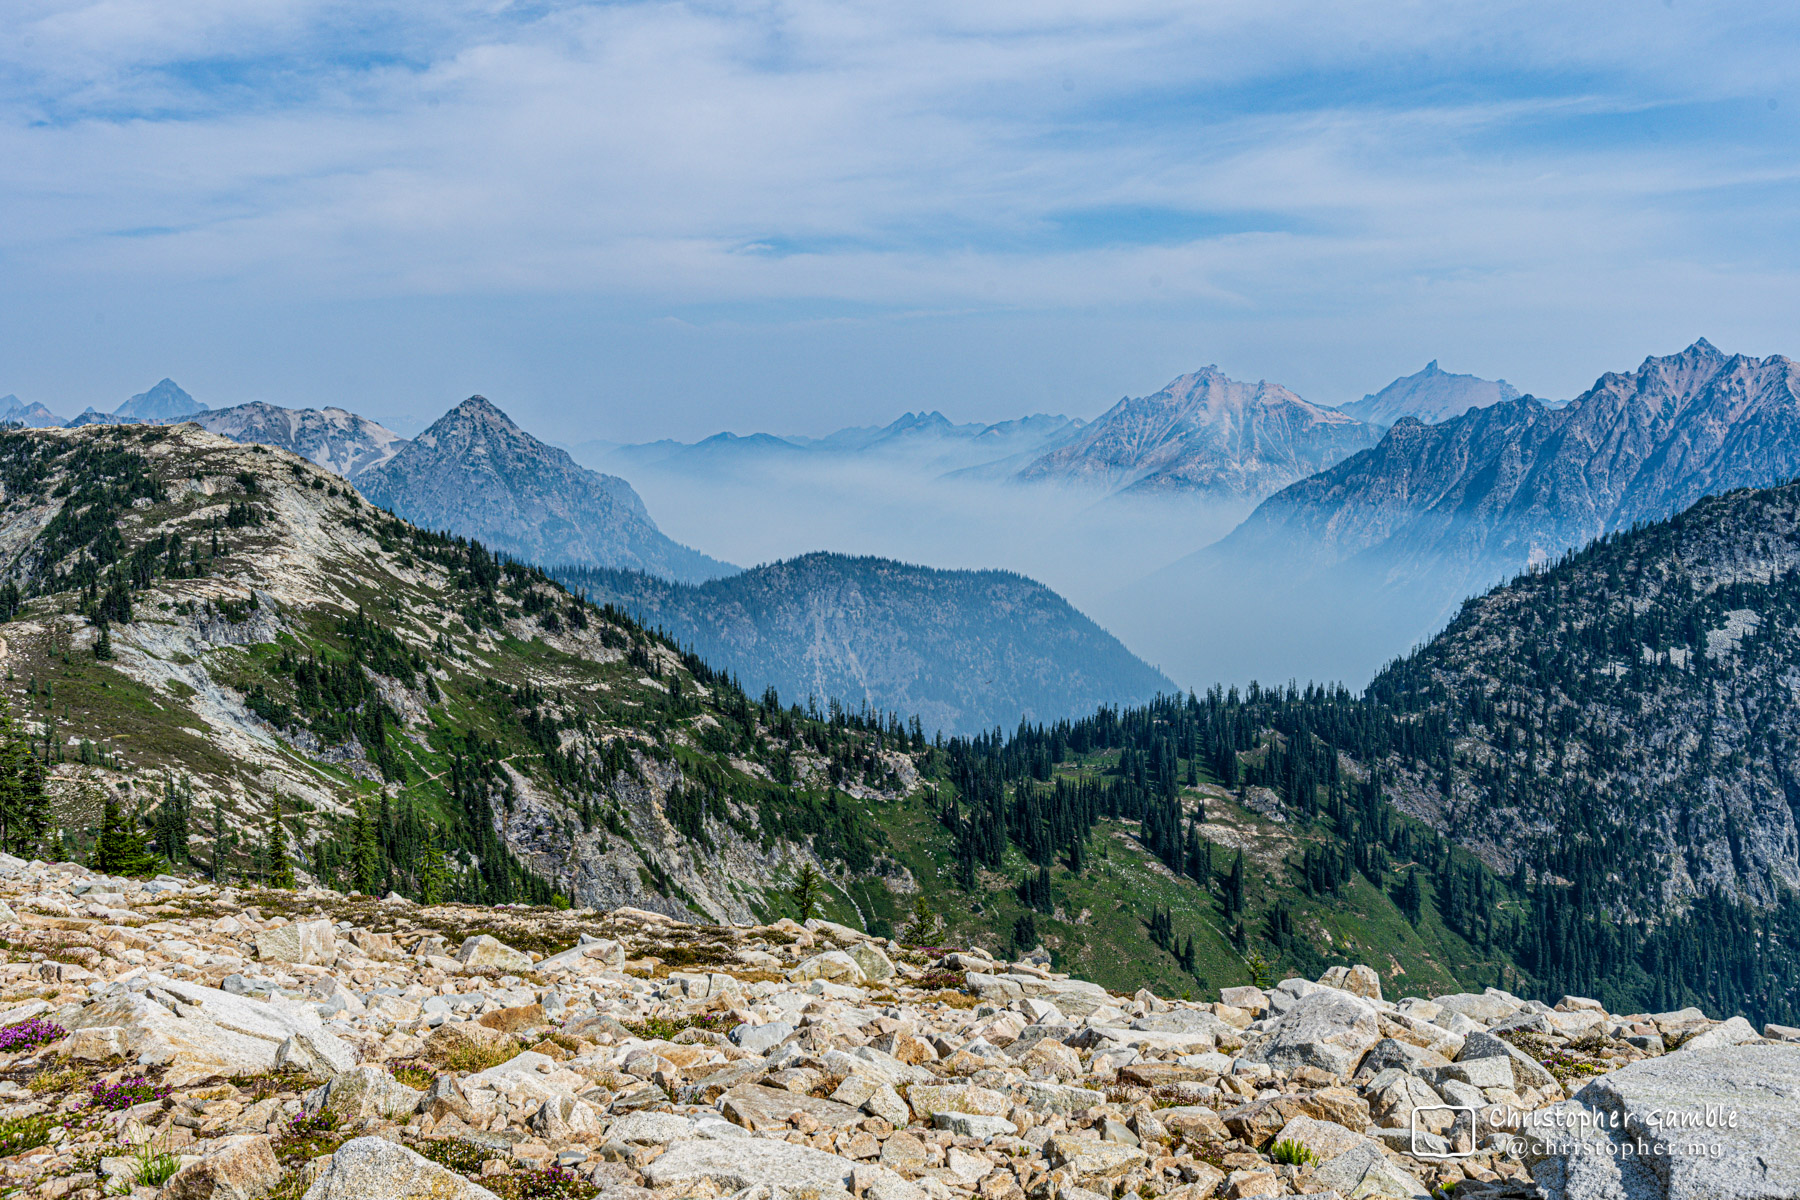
point(179, 1040)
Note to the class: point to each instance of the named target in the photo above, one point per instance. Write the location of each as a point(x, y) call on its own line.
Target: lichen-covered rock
point(485, 950)
point(363, 1092)
point(312, 942)
point(373, 1168)
point(241, 1167)
point(833, 966)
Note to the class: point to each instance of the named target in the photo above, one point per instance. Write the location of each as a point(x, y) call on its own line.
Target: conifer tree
point(1024, 934)
point(121, 849)
point(434, 871)
point(808, 892)
point(24, 808)
point(281, 869)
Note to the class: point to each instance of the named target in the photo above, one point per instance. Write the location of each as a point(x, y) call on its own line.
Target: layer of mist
point(1131, 564)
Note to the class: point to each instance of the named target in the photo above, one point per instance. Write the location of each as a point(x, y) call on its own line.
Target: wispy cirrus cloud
point(1347, 181)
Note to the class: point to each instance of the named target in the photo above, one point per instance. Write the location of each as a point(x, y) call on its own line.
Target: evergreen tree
point(24, 808)
point(434, 871)
point(1410, 898)
point(281, 870)
point(808, 892)
point(925, 927)
point(1234, 887)
point(120, 849)
point(1024, 934)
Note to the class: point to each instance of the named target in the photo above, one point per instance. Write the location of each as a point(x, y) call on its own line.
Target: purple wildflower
point(29, 1034)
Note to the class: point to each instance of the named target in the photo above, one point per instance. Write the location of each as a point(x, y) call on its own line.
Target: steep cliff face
point(1631, 716)
point(964, 650)
point(1459, 505)
point(335, 438)
point(1432, 396)
point(1208, 435)
point(477, 474)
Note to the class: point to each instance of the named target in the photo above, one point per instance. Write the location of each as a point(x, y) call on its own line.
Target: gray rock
point(315, 1052)
point(1328, 1029)
point(1725, 1033)
point(1527, 1071)
point(1718, 1124)
point(1455, 1091)
point(241, 1167)
point(1365, 1172)
point(974, 1125)
point(372, 1168)
point(1073, 997)
point(1058, 1097)
point(735, 1165)
point(1486, 1008)
point(1414, 1060)
point(756, 1107)
point(875, 1097)
point(1185, 1020)
point(364, 1092)
point(875, 965)
point(762, 1038)
point(1031, 1035)
point(647, 1128)
point(928, 1100)
point(484, 950)
point(312, 942)
point(833, 966)
point(1495, 1071)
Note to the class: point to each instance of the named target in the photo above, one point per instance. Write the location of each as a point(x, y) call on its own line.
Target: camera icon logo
point(1459, 1141)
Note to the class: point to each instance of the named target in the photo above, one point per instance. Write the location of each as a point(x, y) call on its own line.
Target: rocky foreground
point(175, 1040)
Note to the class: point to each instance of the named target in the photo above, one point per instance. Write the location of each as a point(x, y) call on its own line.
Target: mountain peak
point(1433, 395)
point(1205, 432)
point(162, 402)
point(476, 472)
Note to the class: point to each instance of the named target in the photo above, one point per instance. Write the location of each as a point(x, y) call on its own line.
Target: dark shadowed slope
point(964, 650)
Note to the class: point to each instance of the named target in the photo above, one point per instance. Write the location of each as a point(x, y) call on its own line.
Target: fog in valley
point(1138, 566)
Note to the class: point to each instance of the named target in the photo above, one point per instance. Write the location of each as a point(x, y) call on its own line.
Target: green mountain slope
point(209, 631)
point(234, 645)
point(965, 651)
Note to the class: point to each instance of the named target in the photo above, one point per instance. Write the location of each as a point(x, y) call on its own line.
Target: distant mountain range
point(965, 650)
point(1515, 484)
point(1204, 434)
point(334, 438)
point(1432, 395)
point(475, 473)
point(31, 415)
point(927, 440)
point(164, 402)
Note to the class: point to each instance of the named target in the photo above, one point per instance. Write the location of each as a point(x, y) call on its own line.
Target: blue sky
point(629, 220)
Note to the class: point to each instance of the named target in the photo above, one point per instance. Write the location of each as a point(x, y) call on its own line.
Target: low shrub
point(541, 1183)
point(1292, 1153)
point(19, 1134)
